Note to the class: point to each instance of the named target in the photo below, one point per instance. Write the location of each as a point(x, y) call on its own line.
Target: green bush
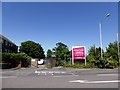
point(24, 59)
point(59, 63)
point(106, 63)
point(8, 60)
point(14, 59)
point(111, 63)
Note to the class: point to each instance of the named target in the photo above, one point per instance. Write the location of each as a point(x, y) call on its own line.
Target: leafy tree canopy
point(112, 51)
point(62, 52)
point(32, 49)
point(49, 53)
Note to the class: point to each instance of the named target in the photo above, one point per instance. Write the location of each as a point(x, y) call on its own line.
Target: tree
point(112, 50)
point(94, 54)
point(32, 49)
point(111, 54)
point(49, 53)
point(62, 53)
point(110, 59)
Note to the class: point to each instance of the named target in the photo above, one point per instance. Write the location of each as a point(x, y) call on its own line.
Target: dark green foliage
point(49, 53)
point(106, 63)
point(32, 49)
point(110, 57)
point(12, 60)
point(94, 54)
point(112, 51)
point(79, 61)
point(62, 53)
point(60, 62)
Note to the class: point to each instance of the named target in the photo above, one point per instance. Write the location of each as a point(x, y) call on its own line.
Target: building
point(7, 46)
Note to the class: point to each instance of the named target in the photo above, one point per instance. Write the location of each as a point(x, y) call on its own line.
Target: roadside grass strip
point(85, 81)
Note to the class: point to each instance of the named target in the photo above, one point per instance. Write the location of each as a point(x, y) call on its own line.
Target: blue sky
point(72, 23)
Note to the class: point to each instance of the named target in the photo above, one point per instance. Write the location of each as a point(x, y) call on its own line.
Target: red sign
point(78, 52)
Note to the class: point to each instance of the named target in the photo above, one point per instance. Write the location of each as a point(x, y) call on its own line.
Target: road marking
point(51, 72)
point(85, 81)
point(107, 74)
point(66, 76)
point(9, 77)
point(56, 76)
point(78, 81)
point(63, 72)
point(43, 72)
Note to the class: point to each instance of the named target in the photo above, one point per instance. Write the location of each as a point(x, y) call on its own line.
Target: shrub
point(8, 60)
point(90, 65)
point(59, 63)
point(106, 63)
point(14, 59)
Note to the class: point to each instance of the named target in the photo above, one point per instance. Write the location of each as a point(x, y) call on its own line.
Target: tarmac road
point(60, 78)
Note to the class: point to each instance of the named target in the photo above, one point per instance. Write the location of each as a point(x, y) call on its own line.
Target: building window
point(5, 50)
point(11, 45)
point(6, 43)
point(1, 41)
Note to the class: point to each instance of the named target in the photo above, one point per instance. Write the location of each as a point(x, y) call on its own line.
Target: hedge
point(12, 60)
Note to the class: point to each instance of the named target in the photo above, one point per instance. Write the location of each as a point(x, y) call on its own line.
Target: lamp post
point(100, 24)
point(118, 48)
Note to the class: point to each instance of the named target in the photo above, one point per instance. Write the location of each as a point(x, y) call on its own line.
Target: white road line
point(113, 81)
point(78, 81)
point(85, 81)
point(36, 71)
point(66, 76)
point(63, 72)
point(51, 72)
point(107, 74)
point(56, 76)
point(9, 77)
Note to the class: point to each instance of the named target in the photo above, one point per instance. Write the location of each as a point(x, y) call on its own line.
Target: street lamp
point(118, 47)
point(101, 33)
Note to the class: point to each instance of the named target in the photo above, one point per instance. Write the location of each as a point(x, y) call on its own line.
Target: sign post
point(78, 52)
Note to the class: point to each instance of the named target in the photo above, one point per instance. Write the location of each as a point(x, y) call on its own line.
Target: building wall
point(7, 46)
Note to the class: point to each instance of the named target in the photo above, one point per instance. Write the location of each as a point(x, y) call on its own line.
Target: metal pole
point(72, 61)
point(118, 47)
point(85, 61)
point(101, 33)
point(72, 57)
point(85, 55)
point(101, 38)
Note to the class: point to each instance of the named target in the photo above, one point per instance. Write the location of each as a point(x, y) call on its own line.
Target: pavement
point(59, 77)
